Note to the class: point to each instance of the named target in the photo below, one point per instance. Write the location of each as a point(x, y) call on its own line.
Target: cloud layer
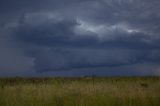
point(80, 37)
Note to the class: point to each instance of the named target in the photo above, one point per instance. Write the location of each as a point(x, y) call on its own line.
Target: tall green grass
point(88, 91)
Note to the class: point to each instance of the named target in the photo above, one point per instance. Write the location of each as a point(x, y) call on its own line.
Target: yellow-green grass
point(87, 91)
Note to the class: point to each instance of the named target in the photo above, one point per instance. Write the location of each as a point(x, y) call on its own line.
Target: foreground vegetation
point(87, 91)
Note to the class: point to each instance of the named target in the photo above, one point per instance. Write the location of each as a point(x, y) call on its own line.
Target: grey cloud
point(65, 35)
point(60, 48)
point(11, 58)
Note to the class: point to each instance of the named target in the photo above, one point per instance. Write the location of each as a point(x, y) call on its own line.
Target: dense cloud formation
point(80, 37)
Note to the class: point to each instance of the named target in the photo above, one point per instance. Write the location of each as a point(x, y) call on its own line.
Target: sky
point(79, 37)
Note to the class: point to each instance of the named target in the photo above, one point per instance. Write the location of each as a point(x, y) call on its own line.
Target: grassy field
point(87, 91)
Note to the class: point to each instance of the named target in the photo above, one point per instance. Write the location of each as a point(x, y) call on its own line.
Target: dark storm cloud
point(56, 35)
point(58, 48)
